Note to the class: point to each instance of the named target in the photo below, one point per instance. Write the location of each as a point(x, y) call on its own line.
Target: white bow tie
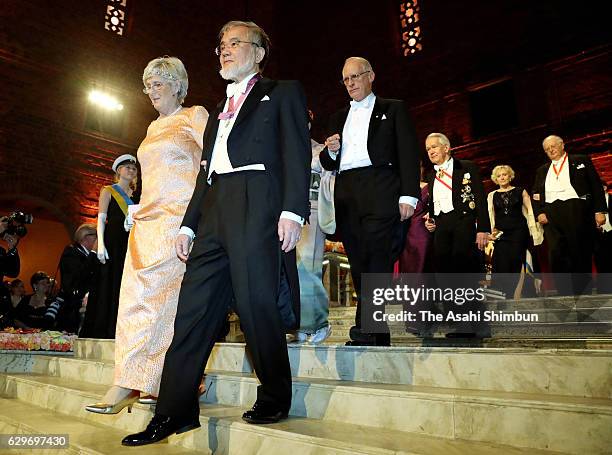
point(363, 104)
point(559, 161)
point(443, 166)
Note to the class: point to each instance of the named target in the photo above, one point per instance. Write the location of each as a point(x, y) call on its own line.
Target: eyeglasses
point(154, 87)
point(352, 77)
point(232, 45)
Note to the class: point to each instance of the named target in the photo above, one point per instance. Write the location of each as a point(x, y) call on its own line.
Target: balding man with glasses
point(372, 145)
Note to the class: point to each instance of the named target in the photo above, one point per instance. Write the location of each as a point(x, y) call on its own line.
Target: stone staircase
point(346, 400)
point(584, 321)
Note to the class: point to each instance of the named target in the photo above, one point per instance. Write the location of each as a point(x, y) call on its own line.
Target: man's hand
point(430, 224)
point(406, 211)
point(542, 219)
point(288, 233)
point(481, 240)
point(600, 219)
point(333, 143)
point(182, 244)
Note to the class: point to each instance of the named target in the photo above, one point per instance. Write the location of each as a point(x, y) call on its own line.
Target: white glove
point(128, 222)
point(102, 253)
point(129, 218)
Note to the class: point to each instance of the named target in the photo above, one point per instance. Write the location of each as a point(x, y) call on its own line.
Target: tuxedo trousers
point(235, 262)
point(458, 265)
point(570, 236)
point(454, 243)
point(367, 219)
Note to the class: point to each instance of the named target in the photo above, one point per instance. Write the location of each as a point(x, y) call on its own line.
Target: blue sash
point(120, 196)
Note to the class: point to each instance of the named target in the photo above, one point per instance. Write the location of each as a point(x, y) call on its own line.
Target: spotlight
point(105, 100)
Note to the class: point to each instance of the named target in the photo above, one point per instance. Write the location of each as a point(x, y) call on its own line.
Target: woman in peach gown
point(169, 158)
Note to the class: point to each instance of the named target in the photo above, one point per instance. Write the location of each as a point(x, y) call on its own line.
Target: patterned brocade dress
point(169, 158)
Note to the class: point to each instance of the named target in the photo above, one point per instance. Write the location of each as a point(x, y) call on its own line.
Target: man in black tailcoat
point(569, 201)
point(247, 208)
point(372, 145)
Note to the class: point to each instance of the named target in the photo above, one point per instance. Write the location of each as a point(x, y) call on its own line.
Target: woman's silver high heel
point(105, 408)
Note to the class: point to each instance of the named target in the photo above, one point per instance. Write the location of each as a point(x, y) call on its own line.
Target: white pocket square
point(580, 166)
point(265, 98)
point(384, 117)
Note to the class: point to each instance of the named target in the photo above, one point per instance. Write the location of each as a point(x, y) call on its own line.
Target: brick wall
point(558, 55)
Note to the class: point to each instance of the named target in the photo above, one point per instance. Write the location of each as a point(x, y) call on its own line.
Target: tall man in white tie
point(372, 144)
point(569, 201)
point(247, 208)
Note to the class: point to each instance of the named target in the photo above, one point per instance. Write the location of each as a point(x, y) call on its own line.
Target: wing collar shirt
point(355, 134)
point(442, 196)
point(559, 187)
point(355, 140)
point(220, 162)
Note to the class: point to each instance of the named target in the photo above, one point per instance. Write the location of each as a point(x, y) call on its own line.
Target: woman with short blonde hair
point(113, 207)
point(512, 222)
point(172, 70)
point(169, 158)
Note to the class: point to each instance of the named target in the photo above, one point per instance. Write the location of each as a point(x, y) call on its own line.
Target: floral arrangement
point(36, 340)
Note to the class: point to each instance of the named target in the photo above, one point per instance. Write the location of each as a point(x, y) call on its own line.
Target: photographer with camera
point(9, 262)
point(9, 258)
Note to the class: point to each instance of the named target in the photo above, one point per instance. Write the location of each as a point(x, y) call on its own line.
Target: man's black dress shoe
point(159, 428)
point(264, 413)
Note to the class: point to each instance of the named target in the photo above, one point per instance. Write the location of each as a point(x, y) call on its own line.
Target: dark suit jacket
point(78, 272)
point(9, 263)
point(260, 135)
point(391, 143)
point(584, 179)
point(274, 133)
point(465, 185)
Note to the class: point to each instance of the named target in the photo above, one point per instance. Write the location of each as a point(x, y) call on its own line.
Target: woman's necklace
point(170, 115)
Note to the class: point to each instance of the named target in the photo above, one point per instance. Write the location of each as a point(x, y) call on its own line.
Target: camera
point(16, 222)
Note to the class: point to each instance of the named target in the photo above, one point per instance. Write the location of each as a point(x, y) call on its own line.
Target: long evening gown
point(103, 303)
point(510, 248)
point(415, 257)
point(170, 160)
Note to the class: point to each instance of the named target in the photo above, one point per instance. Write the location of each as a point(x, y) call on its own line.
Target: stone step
point(436, 412)
point(21, 418)
point(570, 372)
point(560, 320)
point(223, 431)
point(449, 413)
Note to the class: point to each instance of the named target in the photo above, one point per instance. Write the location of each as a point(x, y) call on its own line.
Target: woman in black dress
point(113, 230)
point(30, 312)
point(512, 222)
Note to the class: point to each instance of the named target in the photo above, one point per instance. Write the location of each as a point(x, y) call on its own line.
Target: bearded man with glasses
point(248, 207)
point(372, 144)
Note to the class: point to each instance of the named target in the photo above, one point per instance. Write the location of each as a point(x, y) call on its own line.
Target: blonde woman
point(169, 160)
point(512, 222)
point(103, 302)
